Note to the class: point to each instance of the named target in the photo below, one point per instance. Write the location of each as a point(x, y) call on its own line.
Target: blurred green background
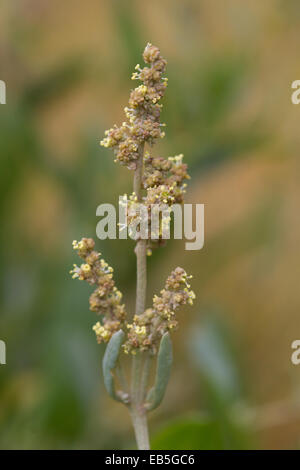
point(67, 66)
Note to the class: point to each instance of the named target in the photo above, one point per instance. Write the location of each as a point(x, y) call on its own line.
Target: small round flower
point(151, 53)
point(86, 268)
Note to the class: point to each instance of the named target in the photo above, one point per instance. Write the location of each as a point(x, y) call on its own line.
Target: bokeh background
point(67, 66)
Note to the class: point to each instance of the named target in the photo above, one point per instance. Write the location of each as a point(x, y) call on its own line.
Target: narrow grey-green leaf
point(109, 362)
point(163, 370)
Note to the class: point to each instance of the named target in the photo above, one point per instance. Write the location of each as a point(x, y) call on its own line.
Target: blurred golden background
point(67, 67)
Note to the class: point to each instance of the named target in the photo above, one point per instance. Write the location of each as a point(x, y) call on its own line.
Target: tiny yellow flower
point(85, 268)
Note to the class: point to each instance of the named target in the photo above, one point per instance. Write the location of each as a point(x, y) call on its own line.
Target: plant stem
point(122, 377)
point(138, 174)
point(137, 410)
point(145, 376)
point(135, 378)
point(140, 249)
point(139, 420)
point(141, 280)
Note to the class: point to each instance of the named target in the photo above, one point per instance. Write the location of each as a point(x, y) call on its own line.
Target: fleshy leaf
point(164, 364)
point(110, 361)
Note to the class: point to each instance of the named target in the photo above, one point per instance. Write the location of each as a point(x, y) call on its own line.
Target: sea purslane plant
point(144, 335)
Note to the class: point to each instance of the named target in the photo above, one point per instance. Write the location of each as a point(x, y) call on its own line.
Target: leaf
point(164, 364)
point(109, 362)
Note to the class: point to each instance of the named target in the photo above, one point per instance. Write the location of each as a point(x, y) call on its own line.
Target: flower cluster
point(161, 171)
point(143, 111)
point(145, 331)
point(106, 298)
point(163, 184)
point(164, 180)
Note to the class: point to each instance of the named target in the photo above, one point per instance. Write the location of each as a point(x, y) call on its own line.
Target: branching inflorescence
point(156, 181)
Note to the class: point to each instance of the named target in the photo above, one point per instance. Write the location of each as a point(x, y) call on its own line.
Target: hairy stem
point(137, 410)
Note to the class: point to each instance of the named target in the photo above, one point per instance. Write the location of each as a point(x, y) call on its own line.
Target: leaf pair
point(163, 369)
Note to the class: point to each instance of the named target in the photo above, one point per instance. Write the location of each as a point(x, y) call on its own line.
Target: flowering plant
point(145, 334)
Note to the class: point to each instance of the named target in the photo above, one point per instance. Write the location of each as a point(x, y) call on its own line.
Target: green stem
point(138, 174)
point(145, 377)
point(122, 377)
point(135, 378)
point(141, 280)
point(141, 248)
point(139, 420)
